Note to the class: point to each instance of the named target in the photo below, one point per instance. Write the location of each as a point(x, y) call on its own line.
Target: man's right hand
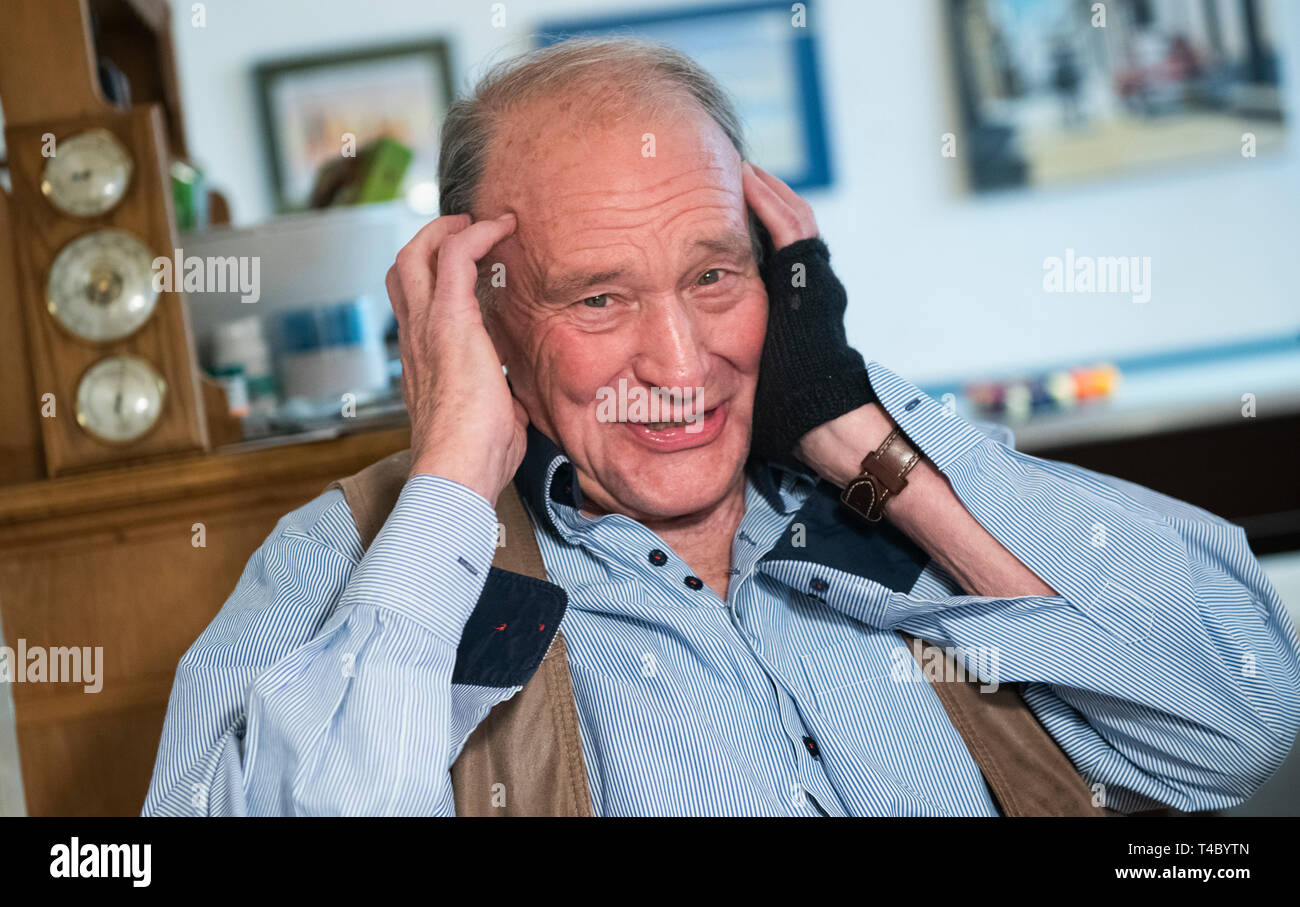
point(465, 424)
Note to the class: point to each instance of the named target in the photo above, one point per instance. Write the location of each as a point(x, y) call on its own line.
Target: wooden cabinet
point(111, 559)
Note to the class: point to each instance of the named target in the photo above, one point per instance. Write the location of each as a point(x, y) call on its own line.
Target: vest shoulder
point(372, 492)
point(391, 471)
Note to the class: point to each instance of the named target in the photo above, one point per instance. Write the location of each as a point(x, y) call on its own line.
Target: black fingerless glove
point(809, 374)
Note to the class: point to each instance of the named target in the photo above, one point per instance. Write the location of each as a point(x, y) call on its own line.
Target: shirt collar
point(785, 487)
point(545, 473)
point(876, 551)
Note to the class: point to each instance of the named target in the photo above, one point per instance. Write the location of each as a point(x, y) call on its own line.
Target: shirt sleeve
point(1167, 667)
point(325, 684)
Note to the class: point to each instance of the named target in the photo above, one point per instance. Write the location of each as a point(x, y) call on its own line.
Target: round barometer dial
point(88, 174)
point(120, 398)
point(101, 285)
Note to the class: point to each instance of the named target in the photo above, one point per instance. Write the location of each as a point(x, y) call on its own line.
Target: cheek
point(574, 365)
point(742, 330)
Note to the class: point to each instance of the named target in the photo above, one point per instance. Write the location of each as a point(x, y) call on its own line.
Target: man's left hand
point(809, 374)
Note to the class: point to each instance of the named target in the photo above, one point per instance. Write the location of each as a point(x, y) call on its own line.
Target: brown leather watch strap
point(884, 474)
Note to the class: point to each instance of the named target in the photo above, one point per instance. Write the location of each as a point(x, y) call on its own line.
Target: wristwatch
point(884, 474)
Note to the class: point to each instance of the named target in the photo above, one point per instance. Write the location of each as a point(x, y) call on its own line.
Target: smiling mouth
point(680, 423)
point(683, 434)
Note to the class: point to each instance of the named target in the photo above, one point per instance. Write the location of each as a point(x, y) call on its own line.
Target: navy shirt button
point(818, 585)
point(694, 582)
point(912, 404)
point(657, 557)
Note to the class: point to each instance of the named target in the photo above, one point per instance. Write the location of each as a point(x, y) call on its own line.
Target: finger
point(782, 222)
point(458, 262)
point(777, 185)
point(802, 210)
point(417, 260)
point(396, 298)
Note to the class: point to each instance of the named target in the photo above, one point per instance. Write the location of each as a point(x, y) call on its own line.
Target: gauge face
point(101, 285)
point(120, 398)
point(88, 174)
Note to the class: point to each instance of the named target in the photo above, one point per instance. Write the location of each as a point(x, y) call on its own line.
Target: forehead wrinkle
point(571, 278)
point(696, 211)
point(662, 199)
point(732, 242)
point(704, 235)
point(606, 249)
point(625, 219)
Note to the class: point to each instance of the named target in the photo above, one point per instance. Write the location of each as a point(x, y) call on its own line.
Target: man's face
point(635, 267)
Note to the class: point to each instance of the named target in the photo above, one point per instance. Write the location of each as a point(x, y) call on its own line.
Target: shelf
point(293, 460)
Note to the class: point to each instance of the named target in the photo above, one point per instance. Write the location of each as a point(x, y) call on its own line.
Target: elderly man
point(722, 583)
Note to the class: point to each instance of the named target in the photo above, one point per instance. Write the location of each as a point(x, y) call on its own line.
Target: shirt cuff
point(934, 429)
point(430, 561)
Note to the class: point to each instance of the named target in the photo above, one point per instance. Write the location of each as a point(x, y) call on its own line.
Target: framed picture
point(1058, 91)
point(764, 55)
point(309, 105)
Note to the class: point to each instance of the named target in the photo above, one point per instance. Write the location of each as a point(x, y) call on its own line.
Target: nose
point(673, 343)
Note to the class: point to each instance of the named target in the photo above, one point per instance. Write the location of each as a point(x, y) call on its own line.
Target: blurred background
point(1076, 218)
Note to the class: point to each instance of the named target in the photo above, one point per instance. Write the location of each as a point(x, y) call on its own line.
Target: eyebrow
point(565, 287)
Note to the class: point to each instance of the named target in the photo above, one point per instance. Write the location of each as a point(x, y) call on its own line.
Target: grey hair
point(608, 72)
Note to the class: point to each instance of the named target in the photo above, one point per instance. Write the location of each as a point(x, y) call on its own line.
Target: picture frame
point(309, 102)
point(780, 105)
point(1054, 92)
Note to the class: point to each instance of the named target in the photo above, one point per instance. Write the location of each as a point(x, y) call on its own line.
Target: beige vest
point(527, 753)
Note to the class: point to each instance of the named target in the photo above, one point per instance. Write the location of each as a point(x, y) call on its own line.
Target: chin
point(665, 486)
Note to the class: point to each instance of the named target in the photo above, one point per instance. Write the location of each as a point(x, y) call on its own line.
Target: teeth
point(660, 426)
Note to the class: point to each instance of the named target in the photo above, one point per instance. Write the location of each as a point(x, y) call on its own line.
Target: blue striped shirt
point(1166, 667)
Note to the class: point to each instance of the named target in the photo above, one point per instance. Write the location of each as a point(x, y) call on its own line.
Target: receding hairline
point(613, 77)
point(603, 95)
point(608, 78)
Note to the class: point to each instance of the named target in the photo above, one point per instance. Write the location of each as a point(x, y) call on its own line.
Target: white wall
point(942, 284)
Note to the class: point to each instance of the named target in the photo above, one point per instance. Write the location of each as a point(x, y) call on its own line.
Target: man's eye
point(713, 275)
point(596, 302)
